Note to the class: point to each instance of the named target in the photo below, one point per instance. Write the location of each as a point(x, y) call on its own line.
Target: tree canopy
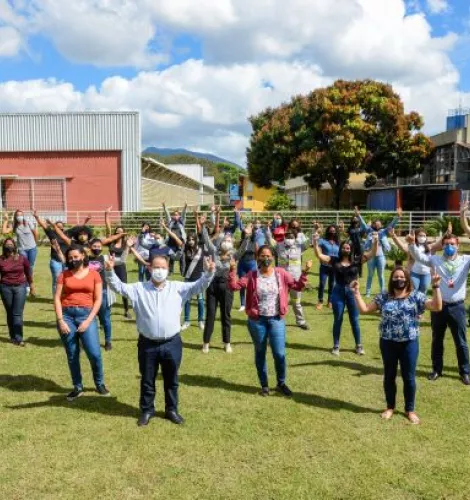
point(351, 126)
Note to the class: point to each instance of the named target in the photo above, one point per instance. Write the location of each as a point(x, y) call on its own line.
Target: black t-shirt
point(52, 235)
point(345, 275)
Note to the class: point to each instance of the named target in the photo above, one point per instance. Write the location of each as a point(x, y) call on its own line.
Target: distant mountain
point(186, 152)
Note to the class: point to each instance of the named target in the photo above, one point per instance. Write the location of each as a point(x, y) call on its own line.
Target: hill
point(164, 152)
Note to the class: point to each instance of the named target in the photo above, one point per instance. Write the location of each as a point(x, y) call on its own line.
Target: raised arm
point(185, 211)
point(111, 239)
point(41, 222)
point(207, 241)
point(115, 283)
point(60, 233)
point(172, 235)
point(324, 259)
point(130, 245)
point(397, 241)
point(107, 222)
point(463, 218)
point(234, 282)
point(7, 228)
point(217, 220)
point(197, 221)
point(55, 245)
point(167, 213)
point(87, 220)
point(364, 226)
point(362, 306)
point(418, 256)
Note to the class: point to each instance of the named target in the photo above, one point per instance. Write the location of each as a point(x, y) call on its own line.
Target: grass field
point(326, 442)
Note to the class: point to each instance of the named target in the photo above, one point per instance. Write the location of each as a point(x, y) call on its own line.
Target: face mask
point(422, 240)
point(226, 246)
point(449, 250)
point(158, 241)
point(8, 250)
point(290, 242)
point(191, 243)
point(159, 275)
point(331, 234)
point(19, 218)
point(83, 238)
point(355, 223)
point(266, 262)
point(399, 284)
point(74, 264)
point(257, 226)
point(96, 251)
point(345, 253)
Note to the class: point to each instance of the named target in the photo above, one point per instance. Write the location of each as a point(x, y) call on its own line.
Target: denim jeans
point(326, 273)
point(244, 267)
point(14, 298)
point(56, 270)
point(89, 339)
point(30, 255)
point(454, 317)
point(274, 330)
point(200, 309)
point(104, 314)
point(373, 264)
point(421, 282)
point(405, 353)
point(342, 297)
point(142, 272)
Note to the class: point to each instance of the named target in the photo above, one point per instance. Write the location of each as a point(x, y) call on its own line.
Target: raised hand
point(400, 212)
point(411, 238)
point(202, 219)
point(131, 241)
point(308, 265)
point(315, 238)
point(375, 236)
point(357, 213)
point(233, 264)
point(209, 264)
point(6, 216)
point(213, 208)
point(449, 228)
point(109, 209)
point(436, 280)
point(109, 263)
point(391, 232)
point(354, 286)
point(464, 207)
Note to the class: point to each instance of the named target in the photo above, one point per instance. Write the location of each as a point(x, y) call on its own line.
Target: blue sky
point(198, 70)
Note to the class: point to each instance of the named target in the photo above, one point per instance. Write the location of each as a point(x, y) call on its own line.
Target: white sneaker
point(242, 308)
point(185, 326)
point(205, 348)
point(335, 351)
point(201, 325)
point(228, 348)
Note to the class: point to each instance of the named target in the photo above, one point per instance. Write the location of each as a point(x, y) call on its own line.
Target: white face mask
point(226, 246)
point(159, 275)
point(422, 240)
point(290, 242)
point(158, 241)
point(19, 218)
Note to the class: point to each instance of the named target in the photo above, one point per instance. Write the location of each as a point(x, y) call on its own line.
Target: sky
point(197, 69)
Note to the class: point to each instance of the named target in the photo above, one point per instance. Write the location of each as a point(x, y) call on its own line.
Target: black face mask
point(345, 253)
point(96, 251)
point(7, 250)
point(399, 284)
point(331, 235)
point(74, 264)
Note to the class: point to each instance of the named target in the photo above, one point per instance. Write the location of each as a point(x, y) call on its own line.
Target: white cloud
point(10, 41)
point(437, 6)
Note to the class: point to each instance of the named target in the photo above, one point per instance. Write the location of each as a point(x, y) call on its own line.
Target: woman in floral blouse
point(400, 309)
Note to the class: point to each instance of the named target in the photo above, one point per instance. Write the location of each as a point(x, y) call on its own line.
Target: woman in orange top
point(77, 301)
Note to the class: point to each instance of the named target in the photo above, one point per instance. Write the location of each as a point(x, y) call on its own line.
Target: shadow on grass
point(299, 397)
point(362, 370)
point(41, 342)
point(50, 325)
point(40, 300)
point(93, 403)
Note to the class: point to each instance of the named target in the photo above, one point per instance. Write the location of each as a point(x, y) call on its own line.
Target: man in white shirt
point(157, 304)
point(453, 269)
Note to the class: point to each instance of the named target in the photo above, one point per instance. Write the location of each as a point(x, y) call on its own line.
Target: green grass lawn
point(326, 442)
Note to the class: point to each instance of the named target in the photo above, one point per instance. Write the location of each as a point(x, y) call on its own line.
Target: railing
point(132, 221)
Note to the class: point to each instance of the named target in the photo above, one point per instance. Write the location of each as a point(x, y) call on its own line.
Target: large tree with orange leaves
point(351, 126)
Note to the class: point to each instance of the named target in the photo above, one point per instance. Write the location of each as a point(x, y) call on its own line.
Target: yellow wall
point(260, 196)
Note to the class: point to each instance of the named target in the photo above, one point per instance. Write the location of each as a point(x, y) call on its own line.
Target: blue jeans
point(30, 255)
point(405, 353)
point(421, 282)
point(274, 330)
point(200, 309)
point(375, 263)
point(244, 267)
point(142, 272)
point(342, 297)
point(326, 273)
point(14, 298)
point(56, 270)
point(74, 316)
point(104, 314)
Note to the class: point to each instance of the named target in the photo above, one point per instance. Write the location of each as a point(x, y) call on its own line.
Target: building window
point(249, 188)
point(250, 198)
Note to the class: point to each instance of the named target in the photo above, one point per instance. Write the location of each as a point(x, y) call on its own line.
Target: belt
point(453, 303)
point(158, 341)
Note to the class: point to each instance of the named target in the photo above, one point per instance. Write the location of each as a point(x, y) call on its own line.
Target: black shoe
point(264, 391)
point(76, 393)
point(102, 390)
point(304, 327)
point(283, 389)
point(144, 418)
point(108, 346)
point(465, 379)
point(174, 417)
point(433, 376)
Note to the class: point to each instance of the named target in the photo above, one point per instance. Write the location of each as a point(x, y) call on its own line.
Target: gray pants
point(297, 307)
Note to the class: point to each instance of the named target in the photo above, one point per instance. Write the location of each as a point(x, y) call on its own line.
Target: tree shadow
point(198, 347)
point(305, 347)
point(315, 400)
point(29, 383)
point(50, 325)
point(40, 300)
point(42, 342)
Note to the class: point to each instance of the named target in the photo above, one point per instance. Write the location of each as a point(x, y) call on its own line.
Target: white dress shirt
point(454, 273)
point(158, 310)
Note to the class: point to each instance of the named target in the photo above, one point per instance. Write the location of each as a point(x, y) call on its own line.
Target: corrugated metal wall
point(384, 199)
point(86, 131)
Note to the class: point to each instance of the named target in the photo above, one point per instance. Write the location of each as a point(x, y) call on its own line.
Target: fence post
point(411, 223)
point(441, 215)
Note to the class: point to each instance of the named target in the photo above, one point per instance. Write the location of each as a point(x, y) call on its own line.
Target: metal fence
point(132, 221)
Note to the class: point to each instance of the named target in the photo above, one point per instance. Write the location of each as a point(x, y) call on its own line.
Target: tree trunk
point(337, 191)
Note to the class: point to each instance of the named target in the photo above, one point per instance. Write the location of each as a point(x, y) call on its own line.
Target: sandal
point(387, 414)
point(413, 418)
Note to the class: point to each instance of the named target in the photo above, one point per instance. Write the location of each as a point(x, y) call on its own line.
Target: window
point(250, 198)
point(249, 187)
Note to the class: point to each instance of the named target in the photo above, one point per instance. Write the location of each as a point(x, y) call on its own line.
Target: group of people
point(265, 265)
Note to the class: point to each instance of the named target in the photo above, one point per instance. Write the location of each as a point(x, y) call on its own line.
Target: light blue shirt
point(384, 245)
point(158, 310)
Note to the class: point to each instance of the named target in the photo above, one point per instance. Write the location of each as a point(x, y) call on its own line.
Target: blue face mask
point(449, 250)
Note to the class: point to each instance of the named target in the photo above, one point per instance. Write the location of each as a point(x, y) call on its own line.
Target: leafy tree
point(279, 201)
point(370, 181)
point(351, 126)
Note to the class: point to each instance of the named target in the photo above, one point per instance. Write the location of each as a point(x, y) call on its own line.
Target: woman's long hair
point(336, 237)
point(15, 222)
point(15, 248)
